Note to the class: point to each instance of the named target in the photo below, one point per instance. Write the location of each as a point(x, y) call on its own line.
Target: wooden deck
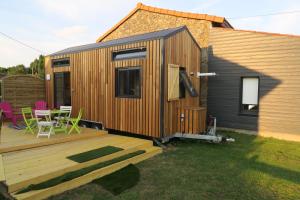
point(27, 160)
point(13, 140)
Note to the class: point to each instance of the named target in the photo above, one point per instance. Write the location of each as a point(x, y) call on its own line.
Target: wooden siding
point(22, 90)
point(93, 88)
point(181, 50)
point(275, 59)
point(193, 120)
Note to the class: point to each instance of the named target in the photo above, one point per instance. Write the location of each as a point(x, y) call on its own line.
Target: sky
point(52, 25)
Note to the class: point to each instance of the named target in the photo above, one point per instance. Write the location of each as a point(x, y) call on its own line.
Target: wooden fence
point(22, 90)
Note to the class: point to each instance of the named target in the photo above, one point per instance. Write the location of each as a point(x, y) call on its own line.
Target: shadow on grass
point(121, 180)
point(275, 171)
point(2, 197)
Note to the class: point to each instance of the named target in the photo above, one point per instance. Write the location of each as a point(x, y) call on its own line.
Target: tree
point(16, 70)
point(37, 66)
point(3, 70)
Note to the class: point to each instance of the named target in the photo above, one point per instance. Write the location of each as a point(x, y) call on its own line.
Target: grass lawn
point(251, 168)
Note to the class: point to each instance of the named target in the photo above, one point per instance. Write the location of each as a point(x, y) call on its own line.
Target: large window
point(129, 54)
point(61, 62)
point(249, 95)
point(128, 82)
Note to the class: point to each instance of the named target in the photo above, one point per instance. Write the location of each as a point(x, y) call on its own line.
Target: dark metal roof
point(142, 37)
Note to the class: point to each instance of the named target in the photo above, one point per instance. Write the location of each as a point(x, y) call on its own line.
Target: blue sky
point(51, 25)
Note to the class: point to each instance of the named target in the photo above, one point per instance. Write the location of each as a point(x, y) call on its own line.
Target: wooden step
point(44, 193)
point(52, 141)
point(67, 165)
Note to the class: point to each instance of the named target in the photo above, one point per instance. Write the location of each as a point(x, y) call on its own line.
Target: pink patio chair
point(40, 105)
point(9, 113)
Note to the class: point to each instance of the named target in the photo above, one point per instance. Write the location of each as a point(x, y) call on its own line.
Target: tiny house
point(142, 84)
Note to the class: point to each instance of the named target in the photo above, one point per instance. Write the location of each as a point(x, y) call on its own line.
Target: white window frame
point(249, 97)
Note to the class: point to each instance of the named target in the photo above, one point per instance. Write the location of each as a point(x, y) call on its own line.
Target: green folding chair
point(74, 122)
point(29, 120)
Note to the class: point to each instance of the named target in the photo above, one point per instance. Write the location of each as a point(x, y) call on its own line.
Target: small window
point(128, 82)
point(178, 82)
point(61, 62)
point(129, 54)
point(181, 85)
point(187, 83)
point(249, 96)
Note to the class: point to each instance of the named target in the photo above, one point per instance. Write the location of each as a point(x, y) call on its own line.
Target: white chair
point(45, 125)
point(65, 115)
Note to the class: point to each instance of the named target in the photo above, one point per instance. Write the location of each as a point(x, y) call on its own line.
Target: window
point(187, 83)
point(249, 96)
point(61, 62)
point(129, 54)
point(128, 82)
point(181, 85)
point(178, 82)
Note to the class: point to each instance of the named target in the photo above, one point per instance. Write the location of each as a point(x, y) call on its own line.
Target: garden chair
point(40, 105)
point(44, 123)
point(9, 113)
point(65, 114)
point(29, 120)
point(75, 121)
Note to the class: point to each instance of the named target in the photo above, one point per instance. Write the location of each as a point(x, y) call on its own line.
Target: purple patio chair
point(9, 113)
point(40, 105)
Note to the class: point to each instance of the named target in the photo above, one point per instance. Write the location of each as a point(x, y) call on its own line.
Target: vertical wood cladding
point(93, 85)
point(93, 88)
point(183, 51)
point(275, 59)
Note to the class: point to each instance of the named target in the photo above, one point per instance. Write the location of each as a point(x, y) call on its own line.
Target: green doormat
point(77, 173)
point(93, 154)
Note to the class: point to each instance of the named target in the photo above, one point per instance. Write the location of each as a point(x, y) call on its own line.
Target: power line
point(269, 14)
point(22, 43)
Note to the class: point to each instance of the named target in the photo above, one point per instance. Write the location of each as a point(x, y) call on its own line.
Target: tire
point(84, 124)
point(97, 126)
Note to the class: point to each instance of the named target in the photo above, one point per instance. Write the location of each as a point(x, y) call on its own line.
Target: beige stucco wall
point(145, 21)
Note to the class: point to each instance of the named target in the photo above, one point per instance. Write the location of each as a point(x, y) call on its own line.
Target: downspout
point(162, 88)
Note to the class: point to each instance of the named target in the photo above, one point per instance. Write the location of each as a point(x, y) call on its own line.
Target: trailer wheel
point(84, 125)
point(97, 126)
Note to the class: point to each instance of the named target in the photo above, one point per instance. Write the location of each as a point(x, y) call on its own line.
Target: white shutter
point(250, 91)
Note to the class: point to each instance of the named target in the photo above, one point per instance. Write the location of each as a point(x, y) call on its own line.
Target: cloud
point(288, 24)
point(13, 54)
point(253, 23)
point(282, 23)
point(71, 32)
point(83, 9)
point(205, 6)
